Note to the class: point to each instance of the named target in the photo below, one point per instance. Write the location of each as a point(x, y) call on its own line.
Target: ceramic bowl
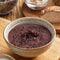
point(29, 52)
point(6, 57)
point(7, 6)
point(36, 4)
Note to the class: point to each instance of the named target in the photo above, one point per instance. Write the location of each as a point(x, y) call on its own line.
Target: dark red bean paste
point(29, 35)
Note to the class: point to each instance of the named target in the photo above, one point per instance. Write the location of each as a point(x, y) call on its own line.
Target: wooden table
point(12, 16)
point(52, 54)
point(17, 12)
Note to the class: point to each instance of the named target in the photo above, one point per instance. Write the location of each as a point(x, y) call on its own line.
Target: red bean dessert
point(29, 35)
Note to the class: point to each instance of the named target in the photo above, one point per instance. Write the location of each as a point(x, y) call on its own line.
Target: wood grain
point(18, 9)
point(16, 12)
point(57, 2)
point(52, 54)
point(57, 27)
point(53, 17)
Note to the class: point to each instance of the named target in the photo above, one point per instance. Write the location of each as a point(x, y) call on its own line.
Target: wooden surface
point(52, 17)
point(17, 13)
point(52, 54)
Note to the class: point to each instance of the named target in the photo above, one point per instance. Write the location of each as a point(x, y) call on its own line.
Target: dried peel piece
point(50, 9)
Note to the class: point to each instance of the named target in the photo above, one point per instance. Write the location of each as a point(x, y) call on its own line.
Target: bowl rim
point(7, 1)
point(6, 55)
point(35, 2)
point(30, 48)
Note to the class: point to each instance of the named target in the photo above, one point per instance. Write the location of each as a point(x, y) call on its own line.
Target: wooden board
point(52, 17)
point(17, 13)
point(52, 54)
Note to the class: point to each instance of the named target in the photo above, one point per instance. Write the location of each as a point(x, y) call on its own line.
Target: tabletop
point(53, 53)
point(17, 13)
point(13, 16)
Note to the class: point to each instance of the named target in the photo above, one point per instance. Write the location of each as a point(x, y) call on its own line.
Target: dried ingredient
point(50, 9)
point(7, 5)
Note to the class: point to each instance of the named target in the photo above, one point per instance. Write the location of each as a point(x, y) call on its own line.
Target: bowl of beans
point(29, 36)
point(6, 6)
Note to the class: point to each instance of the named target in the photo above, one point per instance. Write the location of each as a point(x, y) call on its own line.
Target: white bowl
point(6, 57)
point(29, 52)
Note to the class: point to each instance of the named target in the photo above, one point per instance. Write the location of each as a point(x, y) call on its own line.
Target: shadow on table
point(17, 57)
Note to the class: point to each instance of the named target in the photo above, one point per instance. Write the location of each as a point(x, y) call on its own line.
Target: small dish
point(29, 52)
point(36, 4)
point(6, 57)
point(6, 6)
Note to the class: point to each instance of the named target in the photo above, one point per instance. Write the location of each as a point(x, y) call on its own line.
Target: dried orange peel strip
point(50, 9)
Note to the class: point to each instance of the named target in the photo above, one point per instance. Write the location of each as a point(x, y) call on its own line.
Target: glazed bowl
point(36, 4)
point(7, 6)
point(6, 57)
point(29, 52)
